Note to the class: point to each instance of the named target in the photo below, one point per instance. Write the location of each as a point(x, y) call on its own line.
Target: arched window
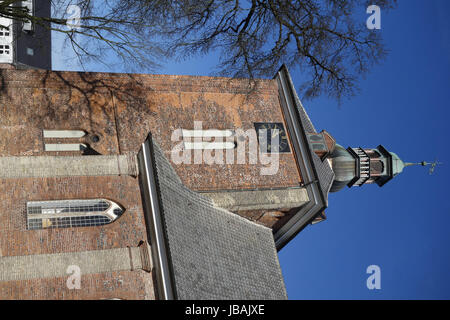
point(71, 213)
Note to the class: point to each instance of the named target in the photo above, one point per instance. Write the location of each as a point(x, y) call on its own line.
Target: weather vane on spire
point(424, 163)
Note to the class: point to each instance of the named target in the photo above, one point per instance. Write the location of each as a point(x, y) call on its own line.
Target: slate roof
point(213, 253)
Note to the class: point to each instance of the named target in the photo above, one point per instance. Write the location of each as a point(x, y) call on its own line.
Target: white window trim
point(208, 145)
point(205, 145)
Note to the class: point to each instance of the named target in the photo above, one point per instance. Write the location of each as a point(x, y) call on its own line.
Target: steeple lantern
point(364, 166)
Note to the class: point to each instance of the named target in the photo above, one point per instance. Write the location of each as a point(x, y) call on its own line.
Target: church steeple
point(359, 166)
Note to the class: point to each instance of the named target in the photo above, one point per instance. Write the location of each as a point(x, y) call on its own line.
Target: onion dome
point(344, 167)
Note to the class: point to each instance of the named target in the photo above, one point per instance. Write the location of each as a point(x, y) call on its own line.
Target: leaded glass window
point(71, 213)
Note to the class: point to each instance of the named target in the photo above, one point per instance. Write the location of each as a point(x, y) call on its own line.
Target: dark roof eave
point(305, 163)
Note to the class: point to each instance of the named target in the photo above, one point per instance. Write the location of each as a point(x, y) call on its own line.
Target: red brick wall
point(129, 285)
point(122, 109)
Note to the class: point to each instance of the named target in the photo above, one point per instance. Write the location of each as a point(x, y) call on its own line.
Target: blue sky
point(402, 227)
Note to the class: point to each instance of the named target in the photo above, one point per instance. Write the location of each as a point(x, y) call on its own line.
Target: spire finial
point(424, 163)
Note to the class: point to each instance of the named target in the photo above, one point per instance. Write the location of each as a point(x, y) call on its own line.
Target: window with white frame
point(5, 49)
point(5, 32)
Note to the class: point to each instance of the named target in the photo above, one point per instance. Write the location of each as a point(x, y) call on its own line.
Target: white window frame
point(6, 39)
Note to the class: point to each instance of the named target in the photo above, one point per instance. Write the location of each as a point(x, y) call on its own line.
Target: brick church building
point(135, 186)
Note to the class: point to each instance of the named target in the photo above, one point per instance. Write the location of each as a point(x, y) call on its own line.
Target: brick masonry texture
point(15, 240)
point(121, 109)
point(129, 285)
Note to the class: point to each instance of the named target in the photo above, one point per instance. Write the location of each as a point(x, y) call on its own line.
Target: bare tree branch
point(253, 37)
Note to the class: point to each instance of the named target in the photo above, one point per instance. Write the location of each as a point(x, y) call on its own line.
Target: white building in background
point(6, 39)
point(26, 45)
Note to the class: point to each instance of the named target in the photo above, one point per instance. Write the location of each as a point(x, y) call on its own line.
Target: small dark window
point(376, 167)
point(4, 49)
